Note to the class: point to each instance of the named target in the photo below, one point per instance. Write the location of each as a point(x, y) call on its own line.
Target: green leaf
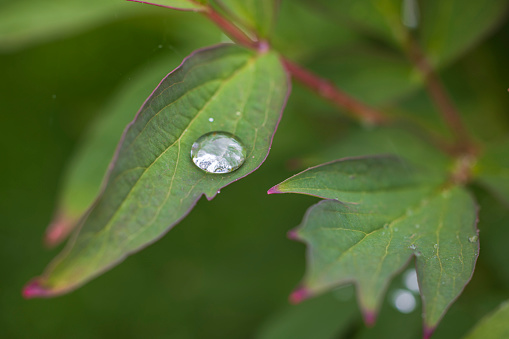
point(323, 317)
point(258, 16)
point(152, 183)
point(85, 172)
point(377, 18)
point(26, 22)
point(381, 212)
point(492, 170)
point(181, 5)
point(493, 326)
point(449, 28)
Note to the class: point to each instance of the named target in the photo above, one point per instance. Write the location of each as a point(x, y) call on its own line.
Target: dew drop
point(412, 247)
point(237, 114)
point(218, 152)
point(403, 301)
point(473, 238)
point(211, 119)
point(417, 226)
point(410, 279)
point(160, 46)
point(435, 246)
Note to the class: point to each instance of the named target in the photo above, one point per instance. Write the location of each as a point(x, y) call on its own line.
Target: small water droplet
point(435, 246)
point(403, 301)
point(211, 119)
point(218, 152)
point(410, 279)
point(409, 212)
point(352, 177)
point(237, 114)
point(473, 238)
point(252, 157)
point(395, 229)
point(412, 247)
point(54, 96)
point(160, 46)
point(445, 194)
point(218, 192)
point(386, 226)
point(417, 226)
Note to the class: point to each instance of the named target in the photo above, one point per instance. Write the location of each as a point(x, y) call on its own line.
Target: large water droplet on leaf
point(218, 152)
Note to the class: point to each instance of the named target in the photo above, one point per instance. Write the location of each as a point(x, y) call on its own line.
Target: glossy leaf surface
point(152, 183)
point(382, 211)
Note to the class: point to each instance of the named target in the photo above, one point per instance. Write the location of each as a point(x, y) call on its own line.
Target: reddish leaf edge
point(197, 10)
point(35, 287)
point(59, 229)
point(302, 293)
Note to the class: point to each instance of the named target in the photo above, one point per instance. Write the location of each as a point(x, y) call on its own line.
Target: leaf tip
point(58, 230)
point(293, 235)
point(298, 295)
point(274, 190)
point(33, 289)
point(427, 332)
point(369, 317)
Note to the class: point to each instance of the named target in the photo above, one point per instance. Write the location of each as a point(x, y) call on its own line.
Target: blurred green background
point(228, 267)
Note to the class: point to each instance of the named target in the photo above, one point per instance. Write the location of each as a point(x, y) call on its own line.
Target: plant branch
point(329, 91)
point(441, 99)
point(235, 33)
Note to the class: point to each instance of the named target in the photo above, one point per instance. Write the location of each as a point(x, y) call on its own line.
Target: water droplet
point(473, 238)
point(445, 194)
point(435, 246)
point(160, 46)
point(352, 177)
point(218, 192)
point(395, 229)
point(237, 114)
point(403, 301)
point(211, 119)
point(54, 96)
point(412, 247)
point(386, 226)
point(409, 212)
point(218, 152)
point(410, 279)
point(417, 226)
point(410, 13)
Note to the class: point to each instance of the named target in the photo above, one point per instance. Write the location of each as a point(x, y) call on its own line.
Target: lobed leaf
point(492, 170)
point(380, 212)
point(181, 5)
point(152, 182)
point(494, 325)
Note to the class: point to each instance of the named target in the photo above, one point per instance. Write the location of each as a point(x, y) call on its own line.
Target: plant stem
point(329, 91)
point(235, 33)
point(441, 99)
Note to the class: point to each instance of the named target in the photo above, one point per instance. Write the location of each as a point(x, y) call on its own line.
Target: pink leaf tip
point(369, 318)
point(292, 235)
point(299, 295)
point(427, 332)
point(274, 190)
point(34, 290)
point(58, 230)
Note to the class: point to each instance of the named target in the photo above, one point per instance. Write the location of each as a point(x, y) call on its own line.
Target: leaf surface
point(380, 212)
point(492, 170)
point(449, 28)
point(181, 5)
point(493, 326)
point(257, 15)
point(85, 171)
point(152, 182)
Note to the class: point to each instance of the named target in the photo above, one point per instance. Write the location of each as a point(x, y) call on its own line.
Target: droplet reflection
point(410, 280)
point(218, 152)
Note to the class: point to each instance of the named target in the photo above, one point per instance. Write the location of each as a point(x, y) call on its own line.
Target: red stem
point(441, 99)
point(231, 30)
point(330, 92)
